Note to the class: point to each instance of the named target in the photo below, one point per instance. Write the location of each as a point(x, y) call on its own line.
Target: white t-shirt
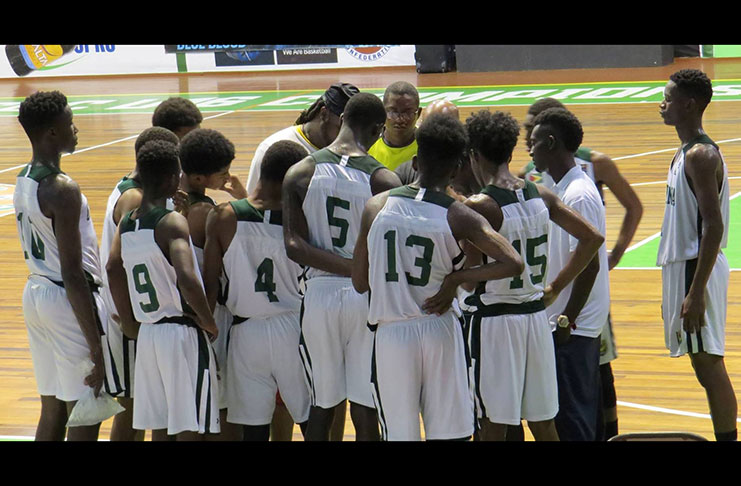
point(292, 133)
point(578, 191)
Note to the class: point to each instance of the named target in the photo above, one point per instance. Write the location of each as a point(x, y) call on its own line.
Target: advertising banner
point(96, 59)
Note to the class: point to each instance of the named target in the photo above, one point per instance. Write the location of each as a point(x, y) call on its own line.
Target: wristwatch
point(563, 322)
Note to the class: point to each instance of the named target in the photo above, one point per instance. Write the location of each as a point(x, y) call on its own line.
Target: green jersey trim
point(127, 184)
point(699, 139)
point(433, 197)
point(364, 163)
point(146, 221)
point(247, 212)
point(38, 172)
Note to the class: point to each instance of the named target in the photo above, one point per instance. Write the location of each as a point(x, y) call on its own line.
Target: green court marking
point(469, 96)
point(645, 256)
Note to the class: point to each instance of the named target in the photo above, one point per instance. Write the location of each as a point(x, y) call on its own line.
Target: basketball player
point(64, 313)
point(158, 292)
point(408, 256)
point(323, 199)
point(315, 128)
point(205, 158)
point(179, 115)
point(244, 238)
point(512, 353)
point(556, 135)
point(125, 197)
point(603, 171)
point(694, 269)
point(397, 143)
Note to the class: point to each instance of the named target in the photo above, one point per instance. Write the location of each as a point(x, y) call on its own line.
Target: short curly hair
point(40, 110)
point(175, 113)
point(155, 133)
point(279, 158)
point(494, 135)
point(563, 124)
point(156, 160)
point(441, 142)
point(364, 110)
point(543, 104)
point(695, 84)
point(205, 151)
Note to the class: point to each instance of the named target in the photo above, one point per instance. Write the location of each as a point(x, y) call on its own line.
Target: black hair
point(335, 99)
point(175, 113)
point(204, 151)
point(441, 142)
point(564, 124)
point(156, 160)
point(310, 113)
point(543, 104)
point(278, 158)
point(40, 110)
point(695, 84)
point(401, 88)
point(364, 110)
point(155, 133)
point(494, 135)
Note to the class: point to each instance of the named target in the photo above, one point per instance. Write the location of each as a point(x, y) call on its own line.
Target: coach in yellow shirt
point(397, 144)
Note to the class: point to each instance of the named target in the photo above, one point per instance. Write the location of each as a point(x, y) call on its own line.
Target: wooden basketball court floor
point(655, 392)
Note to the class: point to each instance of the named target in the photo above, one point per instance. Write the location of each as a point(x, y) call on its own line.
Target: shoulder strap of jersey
point(38, 172)
point(434, 197)
point(699, 139)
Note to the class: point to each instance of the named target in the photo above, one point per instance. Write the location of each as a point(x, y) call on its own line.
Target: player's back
point(36, 231)
point(152, 280)
point(335, 200)
point(526, 225)
point(262, 280)
point(411, 249)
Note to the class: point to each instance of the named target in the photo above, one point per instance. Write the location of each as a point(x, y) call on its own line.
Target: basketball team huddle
point(379, 254)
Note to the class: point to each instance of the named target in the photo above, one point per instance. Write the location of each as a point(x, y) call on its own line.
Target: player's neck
point(689, 131)
point(439, 184)
point(500, 176)
point(149, 202)
point(190, 186)
point(46, 156)
point(266, 197)
point(347, 143)
point(558, 168)
point(311, 130)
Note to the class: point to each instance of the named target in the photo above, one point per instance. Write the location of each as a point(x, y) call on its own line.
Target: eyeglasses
point(408, 115)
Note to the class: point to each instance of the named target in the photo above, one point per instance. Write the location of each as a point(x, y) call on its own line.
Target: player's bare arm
point(173, 237)
point(197, 222)
point(705, 174)
point(60, 199)
point(234, 187)
point(489, 209)
point(296, 229)
point(221, 225)
point(361, 263)
point(128, 201)
point(589, 242)
point(606, 170)
point(119, 288)
point(384, 179)
point(467, 224)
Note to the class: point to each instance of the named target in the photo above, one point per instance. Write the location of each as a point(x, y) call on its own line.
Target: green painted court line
point(291, 100)
point(645, 255)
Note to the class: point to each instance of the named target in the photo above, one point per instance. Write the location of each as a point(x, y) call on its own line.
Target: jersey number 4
point(424, 262)
point(264, 282)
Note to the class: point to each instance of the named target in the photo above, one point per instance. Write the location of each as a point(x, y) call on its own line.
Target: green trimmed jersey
point(263, 281)
point(526, 225)
point(152, 280)
point(335, 200)
point(36, 231)
point(411, 249)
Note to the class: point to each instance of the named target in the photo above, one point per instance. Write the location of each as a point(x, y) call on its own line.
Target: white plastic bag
point(90, 410)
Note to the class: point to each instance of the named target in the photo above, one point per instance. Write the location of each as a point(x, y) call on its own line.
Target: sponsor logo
point(368, 53)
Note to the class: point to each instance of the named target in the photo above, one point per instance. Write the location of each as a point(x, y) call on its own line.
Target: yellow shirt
point(392, 157)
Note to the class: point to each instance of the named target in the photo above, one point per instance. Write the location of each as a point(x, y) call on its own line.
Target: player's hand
point(613, 259)
point(440, 302)
point(95, 379)
point(209, 327)
point(549, 295)
point(234, 187)
point(693, 312)
point(182, 205)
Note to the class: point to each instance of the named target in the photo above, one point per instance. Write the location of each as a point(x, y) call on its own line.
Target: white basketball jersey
point(151, 278)
point(36, 231)
point(335, 200)
point(411, 249)
point(526, 225)
point(263, 281)
point(681, 230)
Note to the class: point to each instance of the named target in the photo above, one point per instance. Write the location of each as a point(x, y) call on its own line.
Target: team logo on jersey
point(368, 53)
point(535, 177)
